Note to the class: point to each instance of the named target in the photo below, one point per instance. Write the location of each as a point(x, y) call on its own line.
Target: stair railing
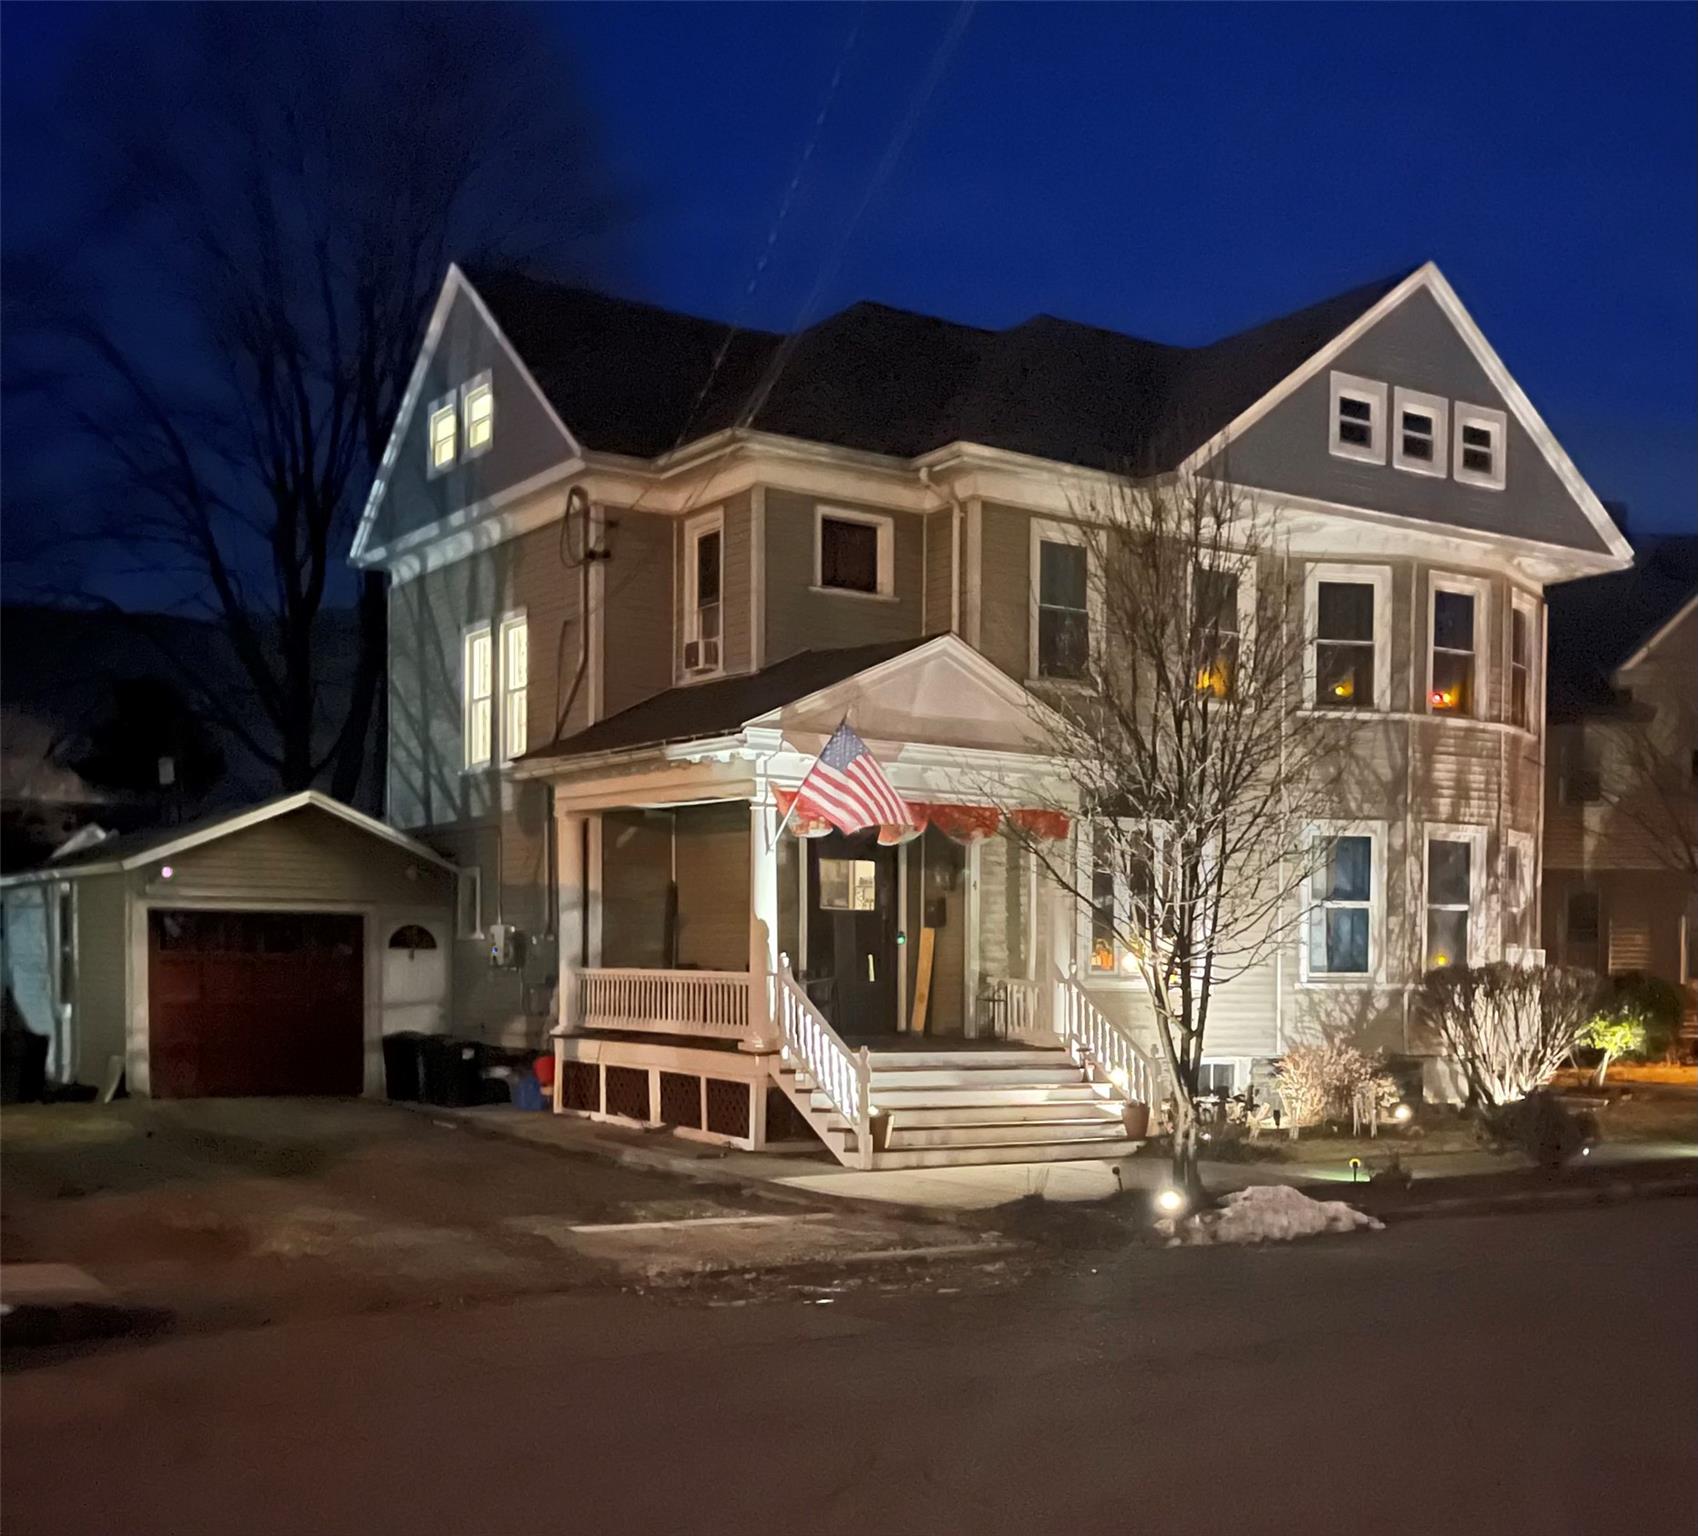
point(810, 1044)
point(1090, 1032)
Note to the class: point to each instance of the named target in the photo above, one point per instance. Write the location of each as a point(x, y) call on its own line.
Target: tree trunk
point(1603, 1067)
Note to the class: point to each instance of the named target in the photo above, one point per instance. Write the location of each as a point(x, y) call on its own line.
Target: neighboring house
point(1621, 827)
point(641, 565)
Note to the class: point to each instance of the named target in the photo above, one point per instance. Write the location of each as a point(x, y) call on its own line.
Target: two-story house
point(642, 565)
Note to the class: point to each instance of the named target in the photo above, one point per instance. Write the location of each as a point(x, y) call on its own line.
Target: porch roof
point(700, 711)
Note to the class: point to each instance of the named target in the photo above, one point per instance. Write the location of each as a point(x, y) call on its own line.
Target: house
point(260, 951)
point(1621, 827)
point(642, 565)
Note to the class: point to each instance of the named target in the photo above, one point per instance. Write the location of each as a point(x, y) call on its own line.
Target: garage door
point(255, 1003)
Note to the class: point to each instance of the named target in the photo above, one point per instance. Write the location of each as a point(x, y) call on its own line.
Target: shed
point(261, 951)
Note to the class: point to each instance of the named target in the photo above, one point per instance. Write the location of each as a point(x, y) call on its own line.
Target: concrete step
point(1076, 1092)
point(970, 1077)
point(956, 1157)
point(881, 1061)
point(997, 1112)
point(1045, 1132)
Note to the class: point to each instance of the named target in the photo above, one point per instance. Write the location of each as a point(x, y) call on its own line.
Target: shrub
point(1317, 1081)
point(1508, 1027)
point(1617, 1031)
point(1656, 1003)
point(1540, 1126)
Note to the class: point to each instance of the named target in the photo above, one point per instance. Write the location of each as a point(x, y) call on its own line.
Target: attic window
point(444, 436)
point(477, 404)
point(1421, 444)
point(1479, 446)
point(1358, 419)
point(853, 553)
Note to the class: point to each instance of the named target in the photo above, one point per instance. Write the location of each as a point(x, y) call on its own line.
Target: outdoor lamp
point(1170, 1201)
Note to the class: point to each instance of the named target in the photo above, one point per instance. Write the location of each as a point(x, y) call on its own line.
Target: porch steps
point(954, 1108)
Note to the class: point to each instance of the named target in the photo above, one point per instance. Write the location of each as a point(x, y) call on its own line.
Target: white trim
point(757, 578)
point(1661, 633)
point(1437, 409)
point(482, 381)
point(885, 525)
point(1375, 975)
point(468, 879)
point(1479, 928)
point(695, 530)
point(1526, 846)
point(1481, 417)
point(1369, 392)
point(1039, 533)
point(1336, 572)
point(1481, 592)
point(1527, 606)
point(513, 619)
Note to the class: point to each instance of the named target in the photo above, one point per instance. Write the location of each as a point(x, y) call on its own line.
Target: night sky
point(1177, 172)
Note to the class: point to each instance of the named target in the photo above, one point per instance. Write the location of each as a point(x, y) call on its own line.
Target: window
point(704, 558)
point(1218, 623)
point(1478, 449)
point(1520, 665)
point(1583, 918)
point(1063, 638)
point(848, 885)
point(1217, 1076)
point(1344, 655)
point(478, 683)
point(1341, 906)
point(477, 405)
point(1455, 613)
point(1420, 444)
point(1104, 942)
point(515, 685)
point(1358, 419)
point(1449, 901)
point(468, 904)
point(854, 553)
point(444, 425)
point(412, 937)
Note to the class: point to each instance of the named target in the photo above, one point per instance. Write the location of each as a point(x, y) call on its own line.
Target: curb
point(1617, 1192)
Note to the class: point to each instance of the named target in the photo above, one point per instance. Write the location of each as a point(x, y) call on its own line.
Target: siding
point(1005, 564)
point(713, 886)
point(102, 946)
point(940, 572)
point(1415, 346)
point(637, 649)
point(800, 618)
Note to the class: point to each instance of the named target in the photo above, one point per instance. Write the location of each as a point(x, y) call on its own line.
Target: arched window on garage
point(412, 937)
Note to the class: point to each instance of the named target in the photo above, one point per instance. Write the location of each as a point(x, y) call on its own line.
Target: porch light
point(166, 871)
point(1170, 1201)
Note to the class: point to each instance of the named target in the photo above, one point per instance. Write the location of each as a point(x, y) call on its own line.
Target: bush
point(1655, 1003)
point(1541, 1127)
point(1508, 1027)
point(1615, 1032)
point(1318, 1081)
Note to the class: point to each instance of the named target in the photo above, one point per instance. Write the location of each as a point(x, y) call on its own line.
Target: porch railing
point(1011, 1008)
point(1090, 1032)
point(809, 1042)
point(710, 1004)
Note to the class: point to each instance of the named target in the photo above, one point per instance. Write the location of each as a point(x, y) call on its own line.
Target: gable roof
point(1600, 624)
point(635, 379)
point(130, 850)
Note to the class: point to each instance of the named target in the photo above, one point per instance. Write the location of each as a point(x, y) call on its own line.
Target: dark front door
point(852, 953)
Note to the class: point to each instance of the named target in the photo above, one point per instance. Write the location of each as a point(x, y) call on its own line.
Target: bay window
point(1453, 895)
point(1454, 613)
point(1342, 901)
point(1347, 612)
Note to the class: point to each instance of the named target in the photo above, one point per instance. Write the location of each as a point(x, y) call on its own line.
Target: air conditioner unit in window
point(701, 655)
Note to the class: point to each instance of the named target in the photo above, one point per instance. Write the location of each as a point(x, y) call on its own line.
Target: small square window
point(1358, 423)
point(1480, 446)
point(1420, 445)
point(855, 554)
point(848, 885)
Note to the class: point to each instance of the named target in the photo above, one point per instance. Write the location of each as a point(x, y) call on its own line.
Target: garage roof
point(130, 850)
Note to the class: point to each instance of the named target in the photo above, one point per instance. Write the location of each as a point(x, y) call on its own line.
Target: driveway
point(232, 1212)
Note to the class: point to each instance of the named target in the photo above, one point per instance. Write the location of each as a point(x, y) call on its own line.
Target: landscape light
point(1171, 1201)
point(1402, 1112)
point(1117, 1076)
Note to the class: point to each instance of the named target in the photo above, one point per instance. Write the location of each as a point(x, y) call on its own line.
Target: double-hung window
point(1062, 639)
point(704, 575)
point(1520, 665)
point(1358, 419)
point(1452, 671)
point(1217, 629)
point(478, 682)
point(444, 435)
point(1105, 930)
point(1452, 897)
point(1340, 939)
point(1420, 442)
point(515, 686)
point(1479, 449)
point(1123, 875)
point(1345, 616)
point(477, 406)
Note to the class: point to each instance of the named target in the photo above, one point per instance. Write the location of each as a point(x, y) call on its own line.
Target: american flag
point(847, 787)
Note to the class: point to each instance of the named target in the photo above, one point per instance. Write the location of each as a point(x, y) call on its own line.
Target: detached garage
point(262, 952)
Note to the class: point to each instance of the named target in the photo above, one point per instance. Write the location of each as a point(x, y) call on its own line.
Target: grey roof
point(632, 378)
point(720, 708)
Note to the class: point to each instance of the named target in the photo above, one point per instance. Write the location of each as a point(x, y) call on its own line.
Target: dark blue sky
point(1178, 172)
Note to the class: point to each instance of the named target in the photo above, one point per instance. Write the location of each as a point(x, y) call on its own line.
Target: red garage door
point(255, 1003)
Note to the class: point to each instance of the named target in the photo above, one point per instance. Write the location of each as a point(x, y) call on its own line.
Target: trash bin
point(23, 1066)
point(403, 1066)
point(453, 1071)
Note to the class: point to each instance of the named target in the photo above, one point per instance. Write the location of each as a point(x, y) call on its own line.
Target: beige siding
point(713, 887)
point(637, 648)
point(739, 521)
point(102, 945)
point(940, 571)
point(1005, 560)
point(800, 617)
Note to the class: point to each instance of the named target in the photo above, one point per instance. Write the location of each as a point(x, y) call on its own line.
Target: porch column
point(763, 921)
point(972, 956)
point(572, 885)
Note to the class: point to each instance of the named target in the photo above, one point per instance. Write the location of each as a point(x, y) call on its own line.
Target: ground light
point(1402, 1112)
point(1170, 1202)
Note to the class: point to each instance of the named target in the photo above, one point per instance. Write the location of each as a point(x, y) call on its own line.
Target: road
point(1533, 1373)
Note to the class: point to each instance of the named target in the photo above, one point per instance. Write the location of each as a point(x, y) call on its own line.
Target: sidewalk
point(945, 1191)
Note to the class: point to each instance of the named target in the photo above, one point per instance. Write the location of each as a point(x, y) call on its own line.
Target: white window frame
point(481, 384)
point(447, 408)
point(1479, 926)
point(1374, 392)
point(474, 633)
point(1060, 533)
point(1525, 898)
point(886, 526)
point(1438, 409)
point(695, 529)
point(1245, 570)
point(1377, 576)
point(1124, 970)
point(468, 900)
point(1374, 976)
point(1528, 607)
point(1497, 423)
point(1481, 592)
point(511, 623)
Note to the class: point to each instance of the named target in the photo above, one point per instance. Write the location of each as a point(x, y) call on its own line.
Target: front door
point(852, 951)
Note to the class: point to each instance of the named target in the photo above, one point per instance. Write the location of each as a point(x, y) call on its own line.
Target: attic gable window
point(1421, 444)
point(477, 406)
point(444, 435)
point(1479, 448)
point(1358, 419)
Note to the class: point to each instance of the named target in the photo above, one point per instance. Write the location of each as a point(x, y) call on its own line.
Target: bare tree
point(279, 191)
point(1192, 761)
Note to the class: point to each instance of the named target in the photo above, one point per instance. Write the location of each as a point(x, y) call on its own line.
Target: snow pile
point(1265, 1213)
